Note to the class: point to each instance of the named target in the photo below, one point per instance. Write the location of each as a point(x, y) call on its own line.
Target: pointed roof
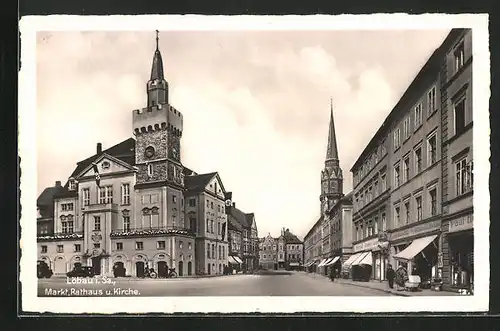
point(331, 149)
point(197, 183)
point(157, 67)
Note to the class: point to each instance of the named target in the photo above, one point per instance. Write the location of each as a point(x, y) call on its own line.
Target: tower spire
point(157, 86)
point(331, 150)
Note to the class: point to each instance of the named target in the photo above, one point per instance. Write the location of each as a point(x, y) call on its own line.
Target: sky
point(256, 104)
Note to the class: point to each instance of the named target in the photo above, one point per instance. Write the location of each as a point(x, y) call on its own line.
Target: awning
point(366, 259)
point(415, 247)
point(308, 264)
point(232, 260)
point(238, 259)
point(351, 259)
point(327, 261)
point(361, 256)
point(322, 262)
point(332, 261)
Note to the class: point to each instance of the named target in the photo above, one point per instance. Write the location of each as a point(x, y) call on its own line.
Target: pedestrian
point(332, 274)
point(401, 277)
point(390, 274)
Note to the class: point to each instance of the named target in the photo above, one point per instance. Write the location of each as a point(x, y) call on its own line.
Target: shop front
point(459, 239)
point(373, 258)
point(417, 248)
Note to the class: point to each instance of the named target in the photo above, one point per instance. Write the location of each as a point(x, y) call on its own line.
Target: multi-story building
point(457, 162)
point(205, 210)
point(318, 241)
point(405, 169)
point(294, 250)
point(341, 237)
point(250, 240)
point(125, 206)
point(268, 251)
point(235, 233)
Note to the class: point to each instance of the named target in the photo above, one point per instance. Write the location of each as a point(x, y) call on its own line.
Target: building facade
point(268, 253)
point(457, 165)
point(205, 210)
point(249, 254)
point(135, 205)
point(416, 174)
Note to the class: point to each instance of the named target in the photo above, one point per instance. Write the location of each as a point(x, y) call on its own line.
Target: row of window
point(67, 206)
point(371, 227)
point(210, 204)
point(211, 249)
point(370, 162)
point(403, 212)
point(417, 116)
point(401, 178)
point(211, 227)
point(373, 189)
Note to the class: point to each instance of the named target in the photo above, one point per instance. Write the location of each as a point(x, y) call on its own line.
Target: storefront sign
point(416, 230)
point(461, 224)
point(366, 245)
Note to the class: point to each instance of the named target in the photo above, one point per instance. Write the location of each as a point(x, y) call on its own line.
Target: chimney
point(58, 183)
point(99, 148)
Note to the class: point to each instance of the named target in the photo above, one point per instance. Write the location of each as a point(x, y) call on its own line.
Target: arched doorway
point(190, 264)
point(139, 269)
point(181, 268)
point(96, 265)
point(162, 269)
point(59, 265)
point(118, 269)
point(220, 268)
point(208, 268)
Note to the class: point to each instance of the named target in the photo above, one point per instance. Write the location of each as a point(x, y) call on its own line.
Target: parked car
point(43, 270)
point(81, 272)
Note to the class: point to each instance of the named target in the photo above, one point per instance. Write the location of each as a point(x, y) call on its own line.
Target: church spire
point(157, 67)
point(331, 149)
point(157, 86)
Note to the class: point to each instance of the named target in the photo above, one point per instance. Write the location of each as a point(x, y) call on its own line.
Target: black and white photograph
point(255, 164)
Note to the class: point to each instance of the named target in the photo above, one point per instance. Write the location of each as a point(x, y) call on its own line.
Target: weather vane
point(157, 38)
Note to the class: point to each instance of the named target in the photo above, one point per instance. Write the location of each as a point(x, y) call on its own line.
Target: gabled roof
point(239, 216)
point(234, 224)
point(198, 182)
point(124, 151)
point(290, 238)
point(249, 218)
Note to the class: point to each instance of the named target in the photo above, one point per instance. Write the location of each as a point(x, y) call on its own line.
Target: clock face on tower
point(149, 152)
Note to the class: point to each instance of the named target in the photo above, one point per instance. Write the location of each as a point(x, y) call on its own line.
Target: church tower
point(158, 131)
point(331, 175)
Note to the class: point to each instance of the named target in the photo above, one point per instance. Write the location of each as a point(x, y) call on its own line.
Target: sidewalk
point(383, 287)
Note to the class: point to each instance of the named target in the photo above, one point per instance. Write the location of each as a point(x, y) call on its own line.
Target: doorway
point(119, 269)
point(139, 269)
point(59, 266)
point(181, 268)
point(190, 268)
point(162, 269)
point(96, 265)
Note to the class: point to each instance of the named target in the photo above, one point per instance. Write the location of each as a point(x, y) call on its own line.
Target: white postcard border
point(29, 26)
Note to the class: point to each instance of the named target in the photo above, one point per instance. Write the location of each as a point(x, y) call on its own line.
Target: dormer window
point(71, 184)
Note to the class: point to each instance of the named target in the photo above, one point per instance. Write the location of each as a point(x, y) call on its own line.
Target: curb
point(377, 289)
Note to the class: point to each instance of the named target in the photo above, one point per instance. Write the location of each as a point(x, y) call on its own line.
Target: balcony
point(60, 236)
point(150, 231)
